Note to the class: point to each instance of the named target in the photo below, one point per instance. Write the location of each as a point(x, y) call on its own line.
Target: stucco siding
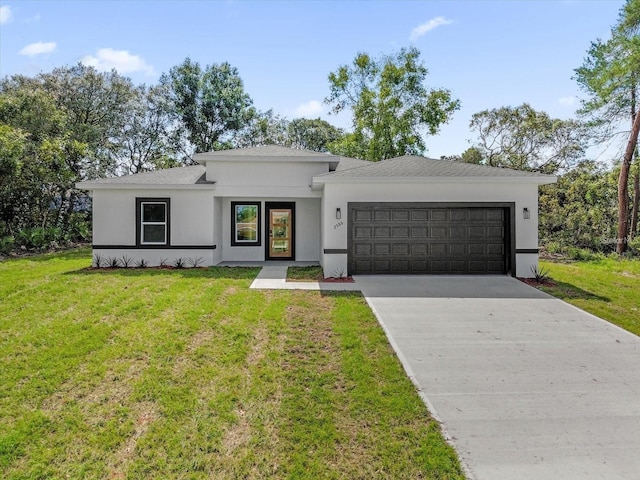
point(114, 216)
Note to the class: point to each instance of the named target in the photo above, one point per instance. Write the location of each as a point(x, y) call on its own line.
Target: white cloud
point(568, 101)
point(421, 30)
point(122, 61)
point(5, 14)
point(38, 48)
point(309, 109)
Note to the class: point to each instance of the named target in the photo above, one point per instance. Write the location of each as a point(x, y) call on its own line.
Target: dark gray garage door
point(427, 238)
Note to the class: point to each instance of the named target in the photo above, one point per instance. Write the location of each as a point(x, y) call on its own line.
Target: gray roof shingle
point(414, 166)
point(194, 175)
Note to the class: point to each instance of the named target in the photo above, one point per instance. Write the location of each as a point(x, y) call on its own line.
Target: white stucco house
point(403, 215)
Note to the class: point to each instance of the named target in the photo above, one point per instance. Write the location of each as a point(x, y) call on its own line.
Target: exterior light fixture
point(338, 213)
point(526, 214)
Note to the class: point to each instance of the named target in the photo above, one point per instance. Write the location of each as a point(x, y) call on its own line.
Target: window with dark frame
point(152, 221)
point(245, 224)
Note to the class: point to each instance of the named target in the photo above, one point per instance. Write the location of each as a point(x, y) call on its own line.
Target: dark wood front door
point(280, 231)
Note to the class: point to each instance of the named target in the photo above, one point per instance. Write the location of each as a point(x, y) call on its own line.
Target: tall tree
point(264, 128)
point(147, 140)
point(610, 77)
point(313, 134)
point(210, 103)
point(391, 107)
point(526, 139)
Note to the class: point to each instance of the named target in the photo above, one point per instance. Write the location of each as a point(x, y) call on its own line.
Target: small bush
point(584, 255)
point(97, 260)
point(195, 262)
point(180, 262)
point(7, 244)
point(112, 262)
point(126, 261)
point(541, 274)
point(142, 263)
point(164, 262)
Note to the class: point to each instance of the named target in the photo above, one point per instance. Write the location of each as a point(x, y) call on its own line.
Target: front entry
point(280, 230)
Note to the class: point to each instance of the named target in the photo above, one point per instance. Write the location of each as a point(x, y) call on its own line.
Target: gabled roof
point(265, 153)
point(416, 169)
point(168, 177)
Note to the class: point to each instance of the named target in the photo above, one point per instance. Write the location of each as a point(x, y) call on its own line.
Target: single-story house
point(402, 215)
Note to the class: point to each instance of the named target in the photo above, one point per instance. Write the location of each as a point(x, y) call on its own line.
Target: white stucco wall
point(307, 230)
point(191, 224)
point(335, 232)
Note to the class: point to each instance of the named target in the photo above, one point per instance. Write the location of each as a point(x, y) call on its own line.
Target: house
point(402, 215)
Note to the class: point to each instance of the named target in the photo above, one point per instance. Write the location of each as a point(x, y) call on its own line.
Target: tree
point(610, 77)
point(472, 155)
point(313, 134)
point(147, 140)
point(580, 210)
point(264, 128)
point(525, 139)
point(210, 103)
point(391, 107)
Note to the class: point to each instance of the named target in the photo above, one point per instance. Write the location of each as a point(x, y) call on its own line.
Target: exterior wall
point(265, 179)
point(335, 232)
point(191, 224)
point(307, 230)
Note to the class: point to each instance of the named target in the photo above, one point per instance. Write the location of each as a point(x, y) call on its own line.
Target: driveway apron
point(525, 385)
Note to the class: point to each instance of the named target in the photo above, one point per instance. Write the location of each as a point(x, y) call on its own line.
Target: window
point(153, 221)
point(245, 224)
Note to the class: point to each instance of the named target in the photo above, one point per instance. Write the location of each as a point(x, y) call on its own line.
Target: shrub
point(179, 262)
point(7, 244)
point(584, 254)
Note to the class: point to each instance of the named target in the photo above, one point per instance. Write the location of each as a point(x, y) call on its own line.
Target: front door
point(280, 221)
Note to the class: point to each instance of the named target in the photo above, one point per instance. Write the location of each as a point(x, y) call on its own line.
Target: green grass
point(305, 274)
point(189, 374)
point(608, 288)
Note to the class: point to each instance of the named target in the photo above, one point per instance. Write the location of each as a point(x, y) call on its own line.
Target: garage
point(429, 238)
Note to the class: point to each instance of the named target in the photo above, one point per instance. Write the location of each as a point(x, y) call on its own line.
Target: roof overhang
point(143, 186)
point(319, 182)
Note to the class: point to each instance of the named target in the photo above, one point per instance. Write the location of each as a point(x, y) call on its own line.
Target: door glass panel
point(280, 233)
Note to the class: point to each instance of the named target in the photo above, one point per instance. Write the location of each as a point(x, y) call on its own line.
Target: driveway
point(525, 385)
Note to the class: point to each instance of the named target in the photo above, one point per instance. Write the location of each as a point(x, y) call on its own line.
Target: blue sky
point(488, 53)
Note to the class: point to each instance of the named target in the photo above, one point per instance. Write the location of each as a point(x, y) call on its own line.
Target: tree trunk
point(623, 188)
point(636, 201)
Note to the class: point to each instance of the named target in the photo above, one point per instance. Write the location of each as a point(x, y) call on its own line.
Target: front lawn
point(608, 288)
point(189, 374)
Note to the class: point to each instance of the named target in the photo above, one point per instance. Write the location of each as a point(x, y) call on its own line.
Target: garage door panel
point(419, 249)
point(363, 232)
point(439, 249)
point(362, 248)
point(400, 232)
point(362, 215)
point(382, 232)
point(495, 249)
point(438, 232)
point(382, 249)
point(382, 266)
point(419, 214)
point(400, 249)
point(382, 215)
point(457, 232)
point(400, 214)
point(419, 232)
point(407, 239)
point(438, 215)
point(494, 215)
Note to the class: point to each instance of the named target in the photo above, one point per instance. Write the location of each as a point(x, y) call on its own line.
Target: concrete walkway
point(525, 385)
point(275, 278)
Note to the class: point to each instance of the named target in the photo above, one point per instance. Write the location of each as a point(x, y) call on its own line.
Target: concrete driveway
point(525, 385)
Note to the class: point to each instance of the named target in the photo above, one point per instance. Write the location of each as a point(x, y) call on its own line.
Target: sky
point(489, 54)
